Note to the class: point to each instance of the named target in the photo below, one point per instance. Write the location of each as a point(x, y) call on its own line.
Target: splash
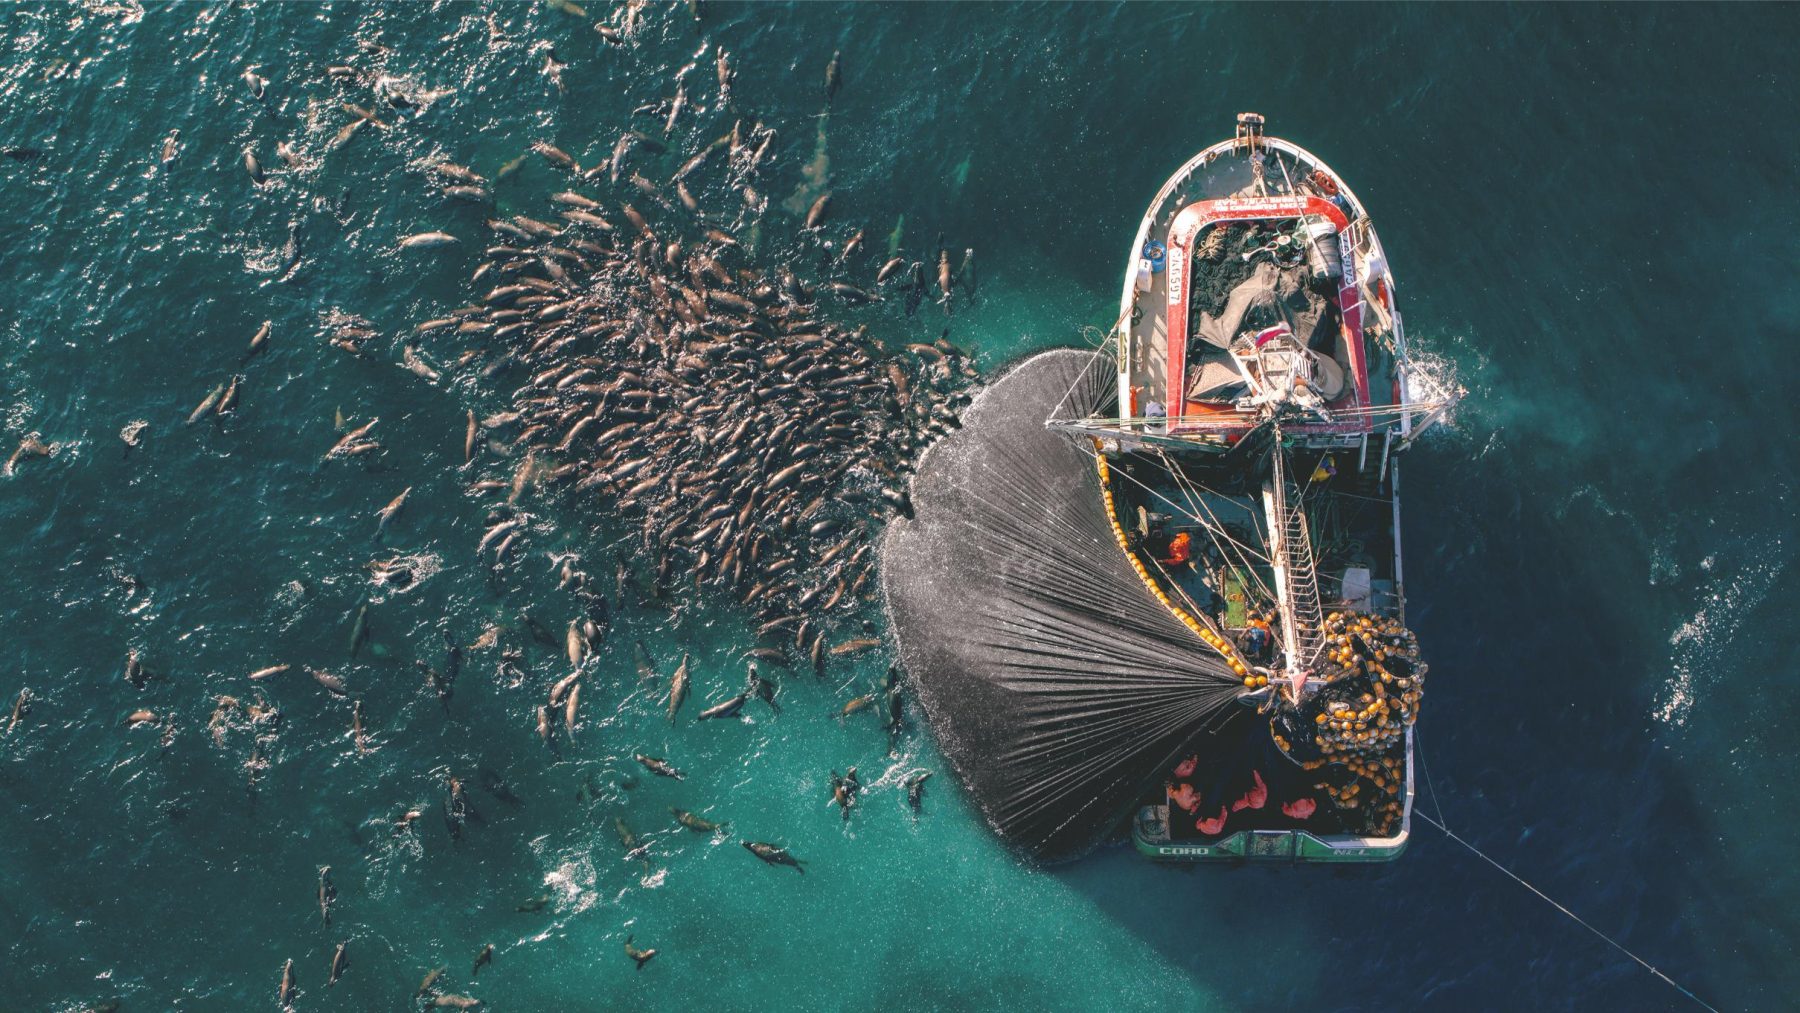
point(1698, 645)
point(1435, 376)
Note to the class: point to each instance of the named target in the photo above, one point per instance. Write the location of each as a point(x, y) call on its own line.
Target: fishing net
point(1057, 684)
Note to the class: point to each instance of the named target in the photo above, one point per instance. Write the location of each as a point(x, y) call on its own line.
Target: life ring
point(1322, 180)
point(1154, 250)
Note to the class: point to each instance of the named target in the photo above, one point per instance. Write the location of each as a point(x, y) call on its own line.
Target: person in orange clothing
point(1181, 549)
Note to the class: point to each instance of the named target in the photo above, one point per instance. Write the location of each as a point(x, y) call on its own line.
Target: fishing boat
point(1251, 475)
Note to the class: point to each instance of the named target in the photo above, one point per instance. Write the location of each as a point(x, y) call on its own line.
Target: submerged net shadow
point(1056, 683)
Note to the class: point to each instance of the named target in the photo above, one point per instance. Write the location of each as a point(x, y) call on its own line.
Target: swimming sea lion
point(773, 855)
point(658, 767)
point(641, 956)
point(678, 688)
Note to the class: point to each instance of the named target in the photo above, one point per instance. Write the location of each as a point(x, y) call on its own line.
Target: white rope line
point(1610, 941)
point(1214, 525)
point(1248, 567)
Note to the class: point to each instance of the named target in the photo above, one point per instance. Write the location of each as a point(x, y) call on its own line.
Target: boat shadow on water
point(1614, 834)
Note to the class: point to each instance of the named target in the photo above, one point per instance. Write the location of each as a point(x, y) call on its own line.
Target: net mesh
point(1057, 684)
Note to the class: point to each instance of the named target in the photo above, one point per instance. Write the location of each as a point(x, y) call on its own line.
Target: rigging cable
point(1610, 941)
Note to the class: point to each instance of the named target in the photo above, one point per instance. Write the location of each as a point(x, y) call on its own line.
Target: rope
point(1085, 376)
point(1429, 787)
point(1610, 941)
point(1213, 524)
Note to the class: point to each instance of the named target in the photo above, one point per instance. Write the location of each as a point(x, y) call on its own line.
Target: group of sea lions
point(672, 358)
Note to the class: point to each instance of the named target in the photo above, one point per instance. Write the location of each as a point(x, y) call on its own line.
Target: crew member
point(1180, 551)
point(1258, 638)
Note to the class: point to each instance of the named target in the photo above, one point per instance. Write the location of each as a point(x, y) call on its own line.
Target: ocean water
point(1593, 215)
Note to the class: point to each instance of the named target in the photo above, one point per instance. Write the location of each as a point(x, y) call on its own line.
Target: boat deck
point(1350, 512)
point(1363, 348)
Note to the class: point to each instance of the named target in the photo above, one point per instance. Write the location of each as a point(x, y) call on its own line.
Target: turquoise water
point(1593, 217)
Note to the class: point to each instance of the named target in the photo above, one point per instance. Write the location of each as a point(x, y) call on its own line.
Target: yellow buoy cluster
point(1211, 639)
point(1373, 679)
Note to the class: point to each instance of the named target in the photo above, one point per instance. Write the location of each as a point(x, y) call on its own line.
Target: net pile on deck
point(1057, 684)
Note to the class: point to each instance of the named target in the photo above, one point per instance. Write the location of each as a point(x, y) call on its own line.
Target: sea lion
point(254, 167)
point(356, 728)
point(257, 84)
point(482, 959)
point(628, 839)
point(285, 996)
point(339, 961)
point(455, 1002)
point(678, 688)
point(431, 978)
point(359, 630)
point(534, 904)
point(815, 215)
point(965, 275)
point(575, 644)
point(773, 855)
point(461, 174)
point(20, 708)
point(945, 281)
point(915, 788)
point(729, 708)
point(834, 76)
point(658, 767)
point(561, 688)
point(327, 894)
point(428, 240)
point(842, 795)
point(641, 956)
point(722, 63)
point(556, 156)
point(206, 405)
point(134, 669)
point(31, 445)
point(387, 513)
point(569, 708)
point(333, 684)
point(228, 400)
point(676, 105)
point(762, 688)
point(350, 439)
point(693, 822)
point(259, 342)
point(853, 295)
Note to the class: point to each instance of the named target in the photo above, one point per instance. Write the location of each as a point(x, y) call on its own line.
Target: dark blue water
point(1593, 217)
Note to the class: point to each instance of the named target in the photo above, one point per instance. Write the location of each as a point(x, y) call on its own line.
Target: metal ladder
point(1305, 612)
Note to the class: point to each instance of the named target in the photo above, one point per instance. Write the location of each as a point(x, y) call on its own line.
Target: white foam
point(1696, 645)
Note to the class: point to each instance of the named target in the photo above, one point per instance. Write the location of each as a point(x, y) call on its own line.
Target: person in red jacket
point(1181, 549)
